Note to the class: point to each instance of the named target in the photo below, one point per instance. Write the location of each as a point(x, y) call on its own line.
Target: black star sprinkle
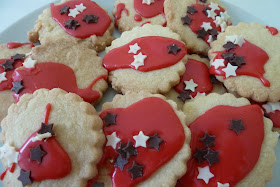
point(91, 18)
point(154, 142)
point(208, 140)
point(8, 65)
point(135, 170)
point(46, 128)
point(203, 1)
point(184, 95)
point(37, 154)
point(191, 10)
point(212, 156)
point(205, 10)
point(186, 20)
point(98, 184)
point(236, 125)
point(130, 150)
point(266, 115)
point(109, 119)
point(213, 79)
point(229, 45)
point(64, 10)
point(24, 177)
point(214, 33)
point(237, 61)
point(199, 155)
point(71, 24)
point(201, 33)
point(228, 56)
point(173, 49)
point(120, 162)
point(121, 152)
point(17, 86)
point(18, 56)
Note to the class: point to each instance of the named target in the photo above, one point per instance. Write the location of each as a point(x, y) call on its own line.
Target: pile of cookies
point(198, 101)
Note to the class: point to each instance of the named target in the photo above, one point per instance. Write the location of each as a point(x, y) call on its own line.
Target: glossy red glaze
point(149, 11)
point(120, 9)
point(272, 30)
point(13, 45)
point(254, 57)
point(141, 116)
point(85, 30)
point(47, 113)
point(137, 17)
point(238, 154)
point(156, 49)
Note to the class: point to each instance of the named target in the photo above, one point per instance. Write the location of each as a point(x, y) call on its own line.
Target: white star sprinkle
point(112, 140)
point(134, 48)
point(239, 40)
point(223, 185)
point(225, 15)
point(29, 63)
point(218, 63)
point(80, 7)
point(3, 77)
point(190, 85)
point(214, 6)
point(219, 20)
point(9, 154)
point(138, 60)
point(210, 39)
point(206, 26)
point(223, 26)
point(198, 94)
point(141, 139)
point(211, 14)
point(230, 70)
point(205, 174)
point(148, 2)
point(271, 106)
point(40, 137)
point(73, 12)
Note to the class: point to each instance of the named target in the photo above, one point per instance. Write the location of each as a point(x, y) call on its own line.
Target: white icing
point(230, 70)
point(141, 139)
point(73, 12)
point(80, 7)
point(29, 63)
point(112, 140)
point(134, 48)
point(206, 26)
point(190, 85)
point(8, 154)
point(3, 77)
point(271, 106)
point(205, 174)
point(40, 137)
point(138, 60)
point(218, 63)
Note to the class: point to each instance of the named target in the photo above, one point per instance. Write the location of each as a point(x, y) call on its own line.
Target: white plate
point(17, 32)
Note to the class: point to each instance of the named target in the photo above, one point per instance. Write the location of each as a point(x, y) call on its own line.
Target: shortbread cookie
point(51, 138)
point(232, 143)
point(245, 60)
point(78, 21)
point(198, 22)
point(149, 58)
point(131, 13)
point(59, 64)
point(11, 56)
point(142, 149)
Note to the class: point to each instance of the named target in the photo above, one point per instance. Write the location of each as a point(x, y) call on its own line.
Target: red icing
point(238, 154)
point(254, 57)
point(11, 169)
point(145, 23)
point(156, 49)
point(141, 116)
point(47, 113)
point(272, 30)
point(137, 17)
point(199, 72)
point(120, 8)
point(53, 75)
point(85, 30)
point(149, 11)
point(13, 45)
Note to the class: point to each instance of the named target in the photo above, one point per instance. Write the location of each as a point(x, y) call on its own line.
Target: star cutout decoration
point(109, 119)
point(134, 48)
point(229, 46)
point(190, 85)
point(141, 139)
point(236, 125)
point(148, 2)
point(173, 49)
point(91, 18)
point(37, 154)
point(17, 87)
point(206, 26)
point(73, 12)
point(71, 24)
point(214, 6)
point(130, 150)
point(136, 170)
point(138, 60)
point(121, 152)
point(25, 177)
point(208, 140)
point(81, 7)
point(18, 57)
point(184, 95)
point(218, 63)
point(211, 14)
point(8, 65)
point(64, 10)
point(222, 185)
point(112, 140)
point(230, 70)
point(201, 33)
point(186, 20)
point(205, 174)
point(228, 56)
point(212, 156)
point(271, 106)
point(191, 10)
point(29, 63)
point(120, 162)
point(9, 154)
point(3, 77)
point(199, 155)
point(98, 184)
point(237, 61)
point(154, 142)
point(46, 128)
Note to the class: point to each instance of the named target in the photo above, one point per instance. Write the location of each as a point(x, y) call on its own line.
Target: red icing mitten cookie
point(232, 143)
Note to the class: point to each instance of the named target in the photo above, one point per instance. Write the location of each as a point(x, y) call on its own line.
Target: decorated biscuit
point(12, 56)
point(243, 58)
point(131, 13)
point(198, 22)
point(231, 145)
point(149, 58)
point(78, 21)
point(42, 137)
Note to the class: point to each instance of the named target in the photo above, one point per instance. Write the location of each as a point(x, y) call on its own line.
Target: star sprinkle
point(134, 48)
point(9, 154)
point(237, 61)
point(73, 12)
point(184, 95)
point(112, 140)
point(17, 86)
point(214, 6)
point(18, 57)
point(173, 49)
point(212, 156)
point(271, 106)
point(210, 39)
point(40, 137)
point(186, 20)
point(206, 26)
point(239, 40)
point(90, 18)
point(154, 142)
point(37, 154)
point(130, 150)
point(211, 14)
point(203, 1)
point(80, 7)
point(141, 139)
point(199, 155)
point(218, 63)
point(222, 185)
point(219, 20)
point(228, 56)
point(138, 60)
point(208, 140)
point(71, 24)
point(205, 10)
point(214, 33)
point(120, 162)
point(223, 26)
point(8, 65)
point(201, 33)
point(64, 10)
point(205, 174)
point(225, 15)
point(148, 2)
point(136, 170)
point(98, 184)
point(121, 152)
point(198, 94)
point(3, 77)
point(190, 85)
point(46, 128)
point(191, 10)
point(109, 119)
point(236, 125)
point(25, 177)
point(229, 46)
point(230, 70)
point(29, 63)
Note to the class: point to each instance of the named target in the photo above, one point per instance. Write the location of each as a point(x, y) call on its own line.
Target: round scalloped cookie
point(132, 13)
point(244, 131)
point(59, 64)
point(6, 52)
point(172, 167)
point(184, 22)
point(74, 164)
point(156, 76)
point(250, 44)
point(50, 25)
